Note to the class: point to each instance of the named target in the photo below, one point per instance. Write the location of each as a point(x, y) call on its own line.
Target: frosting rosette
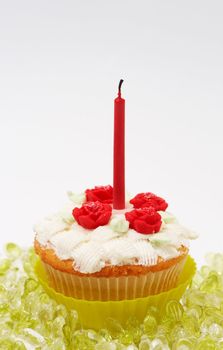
point(103, 194)
point(148, 199)
point(144, 220)
point(92, 214)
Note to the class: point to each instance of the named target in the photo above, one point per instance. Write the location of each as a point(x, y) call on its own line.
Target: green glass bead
point(4, 266)
point(166, 325)
point(210, 284)
point(81, 341)
point(195, 311)
point(126, 337)
point(119, 346)
point(106, 346)
point(105, 334)
point(184, 344)
point(191, 325)
point(215, 330)
point(114, 328)
point(57, 326)
point(157, 344)
point(57, 344)
point(93, 335)
point(66, 334)
point(133, 325)
point(178, 332)
point(3, 291)
point(44, 298)
point(60, 310)
point(12, 250)
point(132, 322)
point(28, 268)
point(73, 319)
point(6, 344)
point(4, 307)
point(153, 311)
point(32, 257)
point(145, 344)
point(206, 344)
point(30, 285)
point(195, 297)
point(150, 325)
point(174, 310)
point(19, 346)
point(205, 270)
point(214, 314)
point(220, 345)
point(45, 313)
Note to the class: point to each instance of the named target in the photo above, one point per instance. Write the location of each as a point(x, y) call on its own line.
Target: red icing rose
point(103, 194)
point(145, 220)
point(92, 214)
point(147, 199)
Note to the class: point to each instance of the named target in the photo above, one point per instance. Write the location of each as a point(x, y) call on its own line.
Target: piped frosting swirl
point(112, 244)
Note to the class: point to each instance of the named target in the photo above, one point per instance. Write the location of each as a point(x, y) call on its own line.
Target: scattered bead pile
point(29, 319)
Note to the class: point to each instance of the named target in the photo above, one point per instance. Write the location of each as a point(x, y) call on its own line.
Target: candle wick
point(119, 87)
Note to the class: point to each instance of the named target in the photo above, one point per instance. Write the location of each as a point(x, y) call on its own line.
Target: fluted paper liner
point(93, 313)
point(114, 288)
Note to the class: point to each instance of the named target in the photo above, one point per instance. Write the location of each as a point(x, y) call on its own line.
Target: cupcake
point(91, 251)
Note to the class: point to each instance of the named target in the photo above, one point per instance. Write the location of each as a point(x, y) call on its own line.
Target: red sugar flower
point(148, 199)
point(92, 214)
point(145, 220)
point(103, 194)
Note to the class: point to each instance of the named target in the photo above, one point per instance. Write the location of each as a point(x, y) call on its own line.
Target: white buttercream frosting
point(113, 244)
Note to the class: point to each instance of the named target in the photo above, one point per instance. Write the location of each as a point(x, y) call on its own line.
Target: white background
point(60, 63)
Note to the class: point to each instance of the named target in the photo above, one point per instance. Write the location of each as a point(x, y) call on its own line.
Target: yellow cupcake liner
point(114, 288)
point(93, 314)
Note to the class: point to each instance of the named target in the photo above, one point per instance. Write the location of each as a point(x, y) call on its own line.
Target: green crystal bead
point(4, 266)
point(4, 307)
point(195, 311)
point(145, 344)
point(57, 326)
point(12, 250)
point(6, 344)
point(60, 310)
point(184, 344)
point(150, 325)
point(205, 270)
point(56, 344)
point(191, 325)
point(105, 334)
point(153, 311)
point(44, 298)
point(81, 341)
point(30, 285)
point(19, 346)
point(114, 328)
point(174, 310)
point(195, 297)
point(127, 337)
point(157, 344)
point(73, 319)
point(215, 331)
point(211, 283)
point(106, 346)
point(133, 326)
point(206, 344)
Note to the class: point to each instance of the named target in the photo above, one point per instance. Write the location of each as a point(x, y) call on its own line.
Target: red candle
point(119, 151)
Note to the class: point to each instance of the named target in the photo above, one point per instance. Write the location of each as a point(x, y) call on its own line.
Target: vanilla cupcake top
point(94, 235)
